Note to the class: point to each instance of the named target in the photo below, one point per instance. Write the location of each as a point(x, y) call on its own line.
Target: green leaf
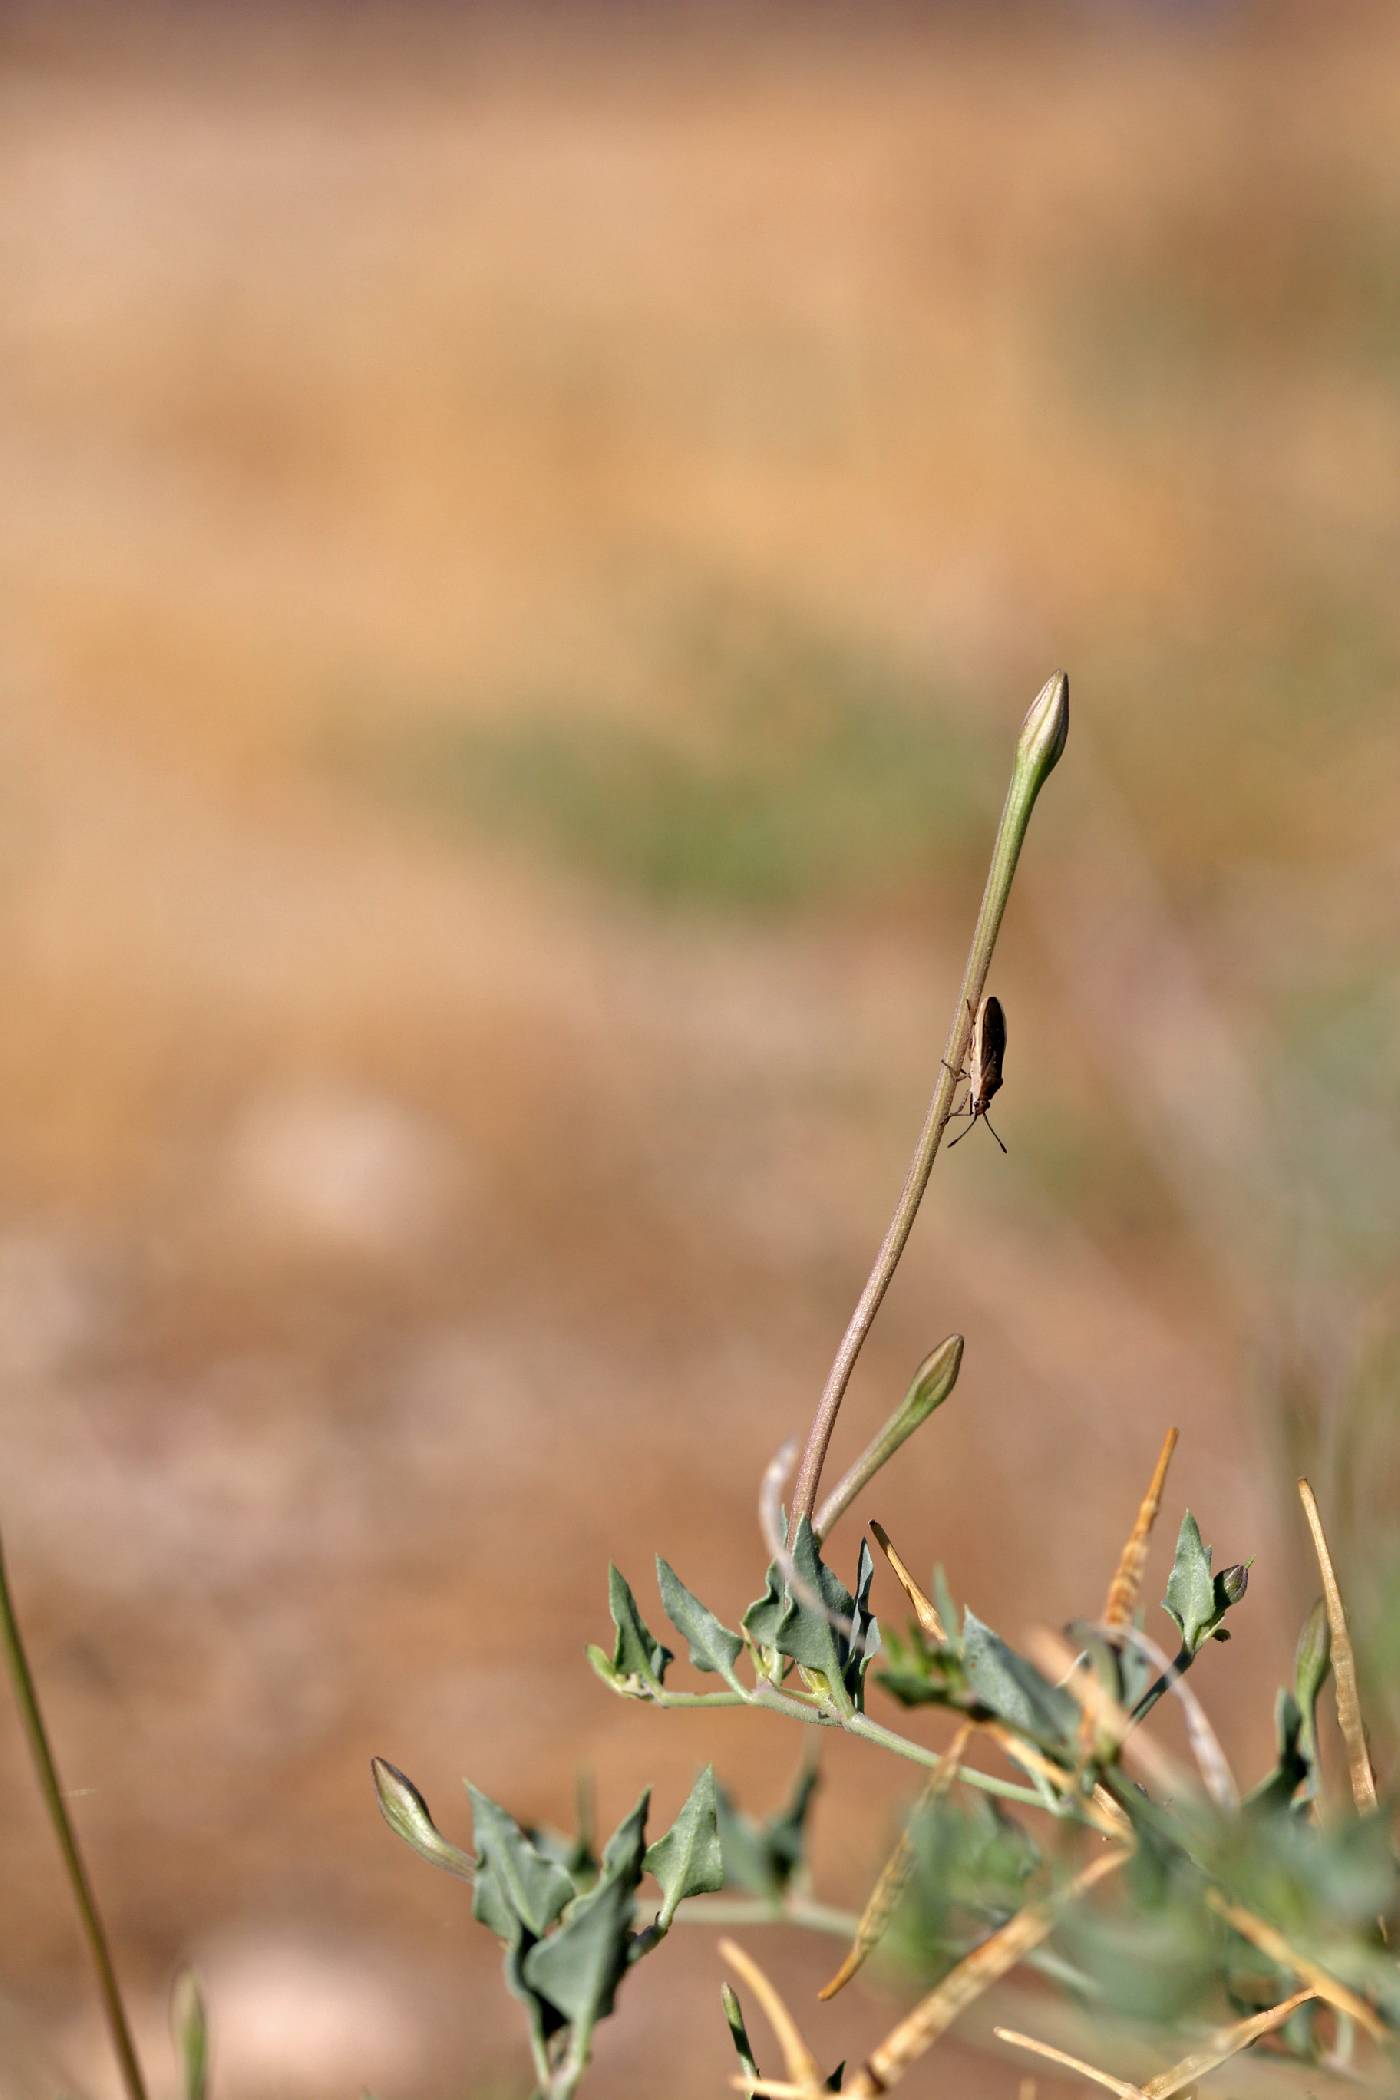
point(746, 1861)
point(580, 1861)
point(1195, 1598)
point(1012, 1688)
point(765, 1857)
point(1311, 1662)
point(1322, 1886)
point(189, 2028)
point(1191, 1598)
point(1158, 1962)
point(578, 1968)
point(971, 1869)
point(1136, 1670)
point(712, 1646)
point(515, 1880)
point(1291, 1769)
point(762, 1620)
point(809, 1634)
point(637, 1653)
point(688, 1860)
point(919, 1672)
point(406, 1813)
point(785, 1834)
point(782, 1622)
point(943, 1604)
point(738, 2033)
point(865, 1642)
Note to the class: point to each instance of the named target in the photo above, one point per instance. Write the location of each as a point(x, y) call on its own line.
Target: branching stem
point(768, 1698)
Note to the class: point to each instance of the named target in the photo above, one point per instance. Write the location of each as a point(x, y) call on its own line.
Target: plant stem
point(762, 1695)
point(843, 1925)
point(813, 1917)
point(27, 1700)
point(986, 1782)
point(659, 1696)
point(543, 2070)
point(1181, 1663)
point(767, 1698)
point(1041, 741)
point(571, 2070)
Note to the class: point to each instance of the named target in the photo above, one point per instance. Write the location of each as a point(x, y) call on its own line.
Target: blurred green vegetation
point(813, 766)
point(1159, 330)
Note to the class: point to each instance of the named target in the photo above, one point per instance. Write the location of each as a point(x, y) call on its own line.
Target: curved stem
point(27, 1700)
point(1041, 741)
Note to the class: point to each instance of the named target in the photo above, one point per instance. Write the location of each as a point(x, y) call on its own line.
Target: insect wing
point(989, 1048)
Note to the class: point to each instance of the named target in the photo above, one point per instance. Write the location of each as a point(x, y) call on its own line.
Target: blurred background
point(527, 538)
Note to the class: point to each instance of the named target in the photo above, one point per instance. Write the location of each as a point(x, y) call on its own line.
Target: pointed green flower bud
point(932, 1383)
point(406, 1813)
point(1234, 1581)
point(1045, 731)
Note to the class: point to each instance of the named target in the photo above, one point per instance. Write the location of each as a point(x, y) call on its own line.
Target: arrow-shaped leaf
point(712, 1646)
point(687, 1861)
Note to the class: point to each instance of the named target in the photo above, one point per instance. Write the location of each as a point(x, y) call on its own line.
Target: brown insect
point(985, 1057)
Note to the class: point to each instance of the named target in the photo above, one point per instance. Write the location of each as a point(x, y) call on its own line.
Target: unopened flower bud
point(406, 1813)
point(1046, 727)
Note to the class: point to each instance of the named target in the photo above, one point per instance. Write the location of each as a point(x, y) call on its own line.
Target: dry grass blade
point(1068, 2063)
point(976, 1973)
point(1227, 2043)
point(1363, 1778)
point(895, 1874)
point(1127, 1582)
point(776, 2089)
point(1102, 1810)
point(802, 2066)
point(924, 1610)
point(1272, 1943)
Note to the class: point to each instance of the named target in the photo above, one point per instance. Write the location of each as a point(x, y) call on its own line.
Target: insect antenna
point(978, 1116)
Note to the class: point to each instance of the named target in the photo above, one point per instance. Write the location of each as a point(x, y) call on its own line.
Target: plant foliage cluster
point(1228, 1909)
point(1179, 1928)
